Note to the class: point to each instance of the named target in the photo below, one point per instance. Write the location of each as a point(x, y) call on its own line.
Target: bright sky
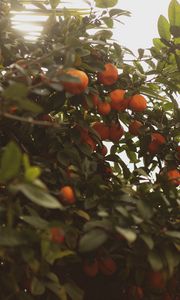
point(141, 27)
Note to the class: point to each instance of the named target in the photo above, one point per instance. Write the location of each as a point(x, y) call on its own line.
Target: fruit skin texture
point(174, 176)
point(66, 193)
point(89, 141)
point(104, 150)
point(57, 235)
point(102, 129)
point(153, 148)
point(137, 103)
point(116, 132)
point(91, 268)
point(104, 108)
point(135, 292)
point(134, 127)
point(156, 280)
point(158, 138)
point(108, 76)
point(107, 266)
point(76, 88)
point(118, 102)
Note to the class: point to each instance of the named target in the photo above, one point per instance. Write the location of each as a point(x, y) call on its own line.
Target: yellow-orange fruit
point(153, 148)
point(115, 132)
point(90, 268)
point(66, 193)
point(76, 88)
point(107, 266)
point(104, 108)
point(156, 280)
point(137, 103)
point(109, 75)
point(174, 176)
point(102, 129)
point(57, 235)
point(135, 127)
point(158, 138)
point(104, 150)
point(118, 102)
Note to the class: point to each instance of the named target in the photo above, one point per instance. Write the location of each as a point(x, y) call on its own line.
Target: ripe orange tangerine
point(90, 268)
point(107, 266)
point(135, 127)
point(115, 132)
point(174, 176)
point(102, 129)
point(76, 88)
point(156, 280)
point(158, 138)
point(104, 108)
point(109, 75)
point(137, 103)
point(57, 235)
point(66, 193)
point(89, 141)
point(104, 150)
point(153, 147)
point(118, 102)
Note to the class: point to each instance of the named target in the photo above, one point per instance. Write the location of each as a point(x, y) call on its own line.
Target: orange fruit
point(76, 88)
point(166, 296)
point(89, 141)
point(135, 292)
point(158, 138)
point(107, 266)
point(109, 75)
point(135, 127)
point(153, 148)
point(118, 102)
point(137, 103)
point(102, 130)
point(66, 193)
point(104, 108)
point(156, 280)
point(115, 132)
point(12, 109)
point(95, 99)
point(104, 150)
point(57, 235)
point(90, 268)
point(174, 176)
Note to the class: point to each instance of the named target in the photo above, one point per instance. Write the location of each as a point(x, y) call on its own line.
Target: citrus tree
point(89, 160)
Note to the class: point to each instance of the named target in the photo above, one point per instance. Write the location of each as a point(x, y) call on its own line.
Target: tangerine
point(76, 88)
point(174, 176)
point(118, 102)
point(90, 268)
point(137, 103)
point(153, 148)
point(104, 108)
point(158, 138)
point(135, 127)
point(107, 266)
point(102, 129)
point(156, 280)
point(109, 75)
point(104, 150)
point(57, 235)
point(66, 193)
point(116, 131)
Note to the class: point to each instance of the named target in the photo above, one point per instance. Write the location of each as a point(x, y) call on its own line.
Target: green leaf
point(118, 12)
point(92, 240)
point(158, 43)
point(173, 234)
point(174, 13)
point(10, 162)
point(34, 221)
point(148, 240)
point(103, 34)
point(74, 291)
point(39, 196)
point(155, 261)
point(16, 91)
point(108, 21)
point(164, 28)
point(37, 287)
point(32, 173)
point(172, 258)
point(10, 238)
point(145, 209)
point(128, 234)
point(105, 3)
